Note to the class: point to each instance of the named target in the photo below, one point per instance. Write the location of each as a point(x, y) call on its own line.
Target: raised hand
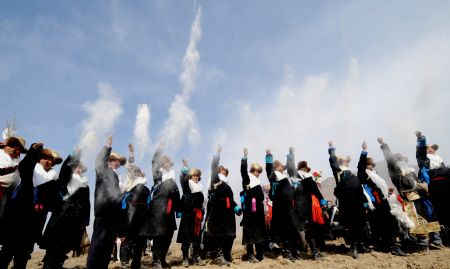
point(268, 152)
point(131, 148)
point(330, 144)
point(364, 145)
point(185, 162)
point(245, 152)
point(291, 150)
point(380, 140)
point(419, 134)
point(219, 148)
point(109, 141)
point(37, 146)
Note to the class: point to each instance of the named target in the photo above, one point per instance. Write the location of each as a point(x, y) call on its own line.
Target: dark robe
point(191, 204)
point(254, 225)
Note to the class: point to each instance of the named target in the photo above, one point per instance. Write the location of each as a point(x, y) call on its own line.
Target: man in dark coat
point(107, 207)
point(220, 214)
point(69, 219)
point(165, 202)
point(283, 228)
point(134, 203)
point(383, 224)
point(17, 235)
point(192, 215)
point(304, 189)
point(253, 222)
point(351, 200)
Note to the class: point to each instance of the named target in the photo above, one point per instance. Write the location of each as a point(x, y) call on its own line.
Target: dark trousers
point(196, 240)
point(102, 243)
point(18, 251)
point(314, 236)
point(221, 244)
point(161, 244)
point(259, 250)
point(132, 250)
point(54, 258)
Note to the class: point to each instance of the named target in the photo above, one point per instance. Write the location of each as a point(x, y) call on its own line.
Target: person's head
point(431, 149)
point(256, 169)
point(370, 164)
point(80, 169)
point(222, 170)
point(14, 146)
point(278, 166)
point(195, 175)
point(303, 166)
point(166, 162)
point(116, 160)
point(49, 158)
point(344, 160)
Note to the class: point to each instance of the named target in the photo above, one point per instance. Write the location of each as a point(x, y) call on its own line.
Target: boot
point(396, 251)
point(198, 261)
point(364, 249)
point(252, 259)
point(220, 260)
point(317, 255)
point(185, 262)
point(354, 252)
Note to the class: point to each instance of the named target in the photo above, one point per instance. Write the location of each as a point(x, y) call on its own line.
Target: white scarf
point(379, 181)
point(223, 178)
point(12, 179)
point(435, 161)
point(132, 182)
point(40, 176)
point(7, 161)
point(280, 176)
point(405, 168)
point(195, 186)
point(77, 181)
point(254, 181)
point(166, 175)
point(398, 213)
point(303, 174)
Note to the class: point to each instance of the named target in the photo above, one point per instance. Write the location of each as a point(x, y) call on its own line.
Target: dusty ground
point(434, 259)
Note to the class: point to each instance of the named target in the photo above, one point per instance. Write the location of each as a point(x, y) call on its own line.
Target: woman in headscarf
point(253, 222)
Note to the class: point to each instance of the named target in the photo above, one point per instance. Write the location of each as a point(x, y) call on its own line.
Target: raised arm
point(333, 160)
point(130, 166)
point(215, 166)
point(421, 151)
point(362, 164)
point(102, 158)
point(184, 178)
point(244, 170)
point(156, 162)
point(70, 163)
point(269, 166)
point(26, 166)
point(290, 162)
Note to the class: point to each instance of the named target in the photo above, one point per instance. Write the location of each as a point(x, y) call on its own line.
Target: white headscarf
point(223, 178)
point(166, 175)
point(254, 181)
point(280, 176)
point(435, 161)
point(379, 181)
point(40, 176)
point(195, 186)
point(12, 179)
point(7, 161)
point(303, 174)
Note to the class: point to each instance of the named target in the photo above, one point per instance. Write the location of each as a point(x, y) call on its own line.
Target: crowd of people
point(280, 218)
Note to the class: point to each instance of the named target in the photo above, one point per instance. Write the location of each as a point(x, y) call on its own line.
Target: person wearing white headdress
point(253, 222)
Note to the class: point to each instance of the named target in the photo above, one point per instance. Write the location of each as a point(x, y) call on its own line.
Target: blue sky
point(271, 73)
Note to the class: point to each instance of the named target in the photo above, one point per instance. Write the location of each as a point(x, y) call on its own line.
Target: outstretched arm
point(421, 151)
point(102, 158)
point(290, 162)
point(244, 170)
point(215, 166)
point(269, 166)
point(362, 164)
point(333, 160)
point(156, 162)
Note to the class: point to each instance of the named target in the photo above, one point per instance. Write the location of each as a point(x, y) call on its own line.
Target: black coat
point(282, 195)
point(136, 206)
point(108, 197)
point(220, 215)
point(191, 206)
point(71, 215)
point(160, 218)
point(15, 226)
point(254, 226)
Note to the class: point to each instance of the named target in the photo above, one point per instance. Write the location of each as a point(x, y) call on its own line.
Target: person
point(134, 203)
point(10, 151)
point(191, 214)
point(108, 219)
point(436, 176)
point(164, 205)
point(382, 222)
point(352, 202)
point(220, 223)
point(253, 222)
point(406, 182)
point(17, 235)
point(283, 226)
point(70, 217)
point(46, 191)
point(306, 197)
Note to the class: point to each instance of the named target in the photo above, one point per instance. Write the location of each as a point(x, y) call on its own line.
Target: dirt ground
point(336, 258)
